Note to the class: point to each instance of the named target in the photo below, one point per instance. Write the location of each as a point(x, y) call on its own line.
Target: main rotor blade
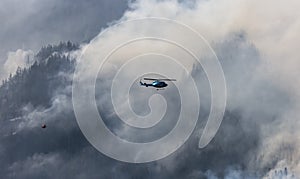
point(150, 79)
point(167, 79)
point(160, 79)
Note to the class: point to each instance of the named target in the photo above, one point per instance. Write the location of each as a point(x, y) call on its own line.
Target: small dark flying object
point(157, 83)
point(44, 126)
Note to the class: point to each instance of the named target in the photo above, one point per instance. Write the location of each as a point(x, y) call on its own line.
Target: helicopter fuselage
point(155, 84)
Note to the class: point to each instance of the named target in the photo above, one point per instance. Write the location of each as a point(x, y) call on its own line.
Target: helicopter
point(157, 83)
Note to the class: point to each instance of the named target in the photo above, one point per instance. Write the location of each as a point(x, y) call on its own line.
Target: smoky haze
point(257, 49)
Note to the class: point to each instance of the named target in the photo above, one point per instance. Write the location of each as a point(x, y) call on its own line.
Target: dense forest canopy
point(36, 84)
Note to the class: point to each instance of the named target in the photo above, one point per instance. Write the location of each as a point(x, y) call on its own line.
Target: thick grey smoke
point(263, 85)
point(251, 51)
point(257, 49)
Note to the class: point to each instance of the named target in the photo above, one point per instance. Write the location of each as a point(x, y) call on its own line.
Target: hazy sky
point(33, 23)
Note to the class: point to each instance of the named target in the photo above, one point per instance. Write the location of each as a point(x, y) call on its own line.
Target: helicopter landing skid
point(160, 89)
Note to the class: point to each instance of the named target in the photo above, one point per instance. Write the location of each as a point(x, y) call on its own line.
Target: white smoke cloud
point(20, 58)
point(272, 28)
